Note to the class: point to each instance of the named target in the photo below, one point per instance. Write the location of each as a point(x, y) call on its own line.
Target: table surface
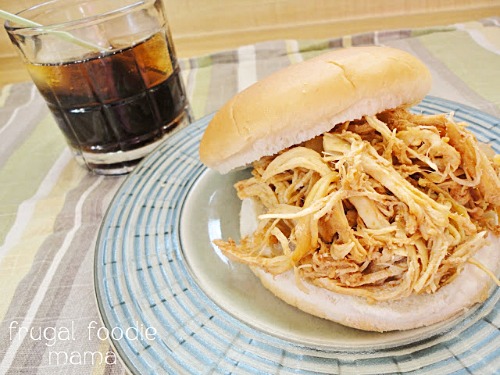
point(51, 209)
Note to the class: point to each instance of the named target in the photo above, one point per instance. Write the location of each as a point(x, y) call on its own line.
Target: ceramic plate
point(174, 304)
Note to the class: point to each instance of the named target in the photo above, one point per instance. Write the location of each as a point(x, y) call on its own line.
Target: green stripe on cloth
point(431, 30)
point(202, 78)
point(25, 169)
point(462, 55)
point(312, 48)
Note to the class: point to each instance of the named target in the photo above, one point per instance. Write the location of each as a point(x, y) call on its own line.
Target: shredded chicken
point(381, 208)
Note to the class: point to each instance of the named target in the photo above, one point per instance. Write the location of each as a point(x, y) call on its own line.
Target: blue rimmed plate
point(173, 304)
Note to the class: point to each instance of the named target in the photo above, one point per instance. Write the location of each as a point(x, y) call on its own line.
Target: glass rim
point(12, 27)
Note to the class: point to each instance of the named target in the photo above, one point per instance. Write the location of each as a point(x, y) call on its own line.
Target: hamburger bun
point(293, 105)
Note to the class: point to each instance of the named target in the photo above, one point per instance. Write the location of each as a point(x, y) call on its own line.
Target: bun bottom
point(470, 287)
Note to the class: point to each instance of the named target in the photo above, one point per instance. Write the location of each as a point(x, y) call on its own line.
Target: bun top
point(307, 99)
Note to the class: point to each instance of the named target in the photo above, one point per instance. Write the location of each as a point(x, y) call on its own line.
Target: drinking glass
point(108, 71)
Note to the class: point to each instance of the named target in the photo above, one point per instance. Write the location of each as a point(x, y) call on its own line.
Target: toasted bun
point(309, 98)
point(470, 287)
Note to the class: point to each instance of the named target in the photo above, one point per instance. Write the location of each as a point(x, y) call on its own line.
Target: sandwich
point(359, 210)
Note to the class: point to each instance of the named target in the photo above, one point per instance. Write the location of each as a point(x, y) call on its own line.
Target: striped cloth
point(51, 209)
